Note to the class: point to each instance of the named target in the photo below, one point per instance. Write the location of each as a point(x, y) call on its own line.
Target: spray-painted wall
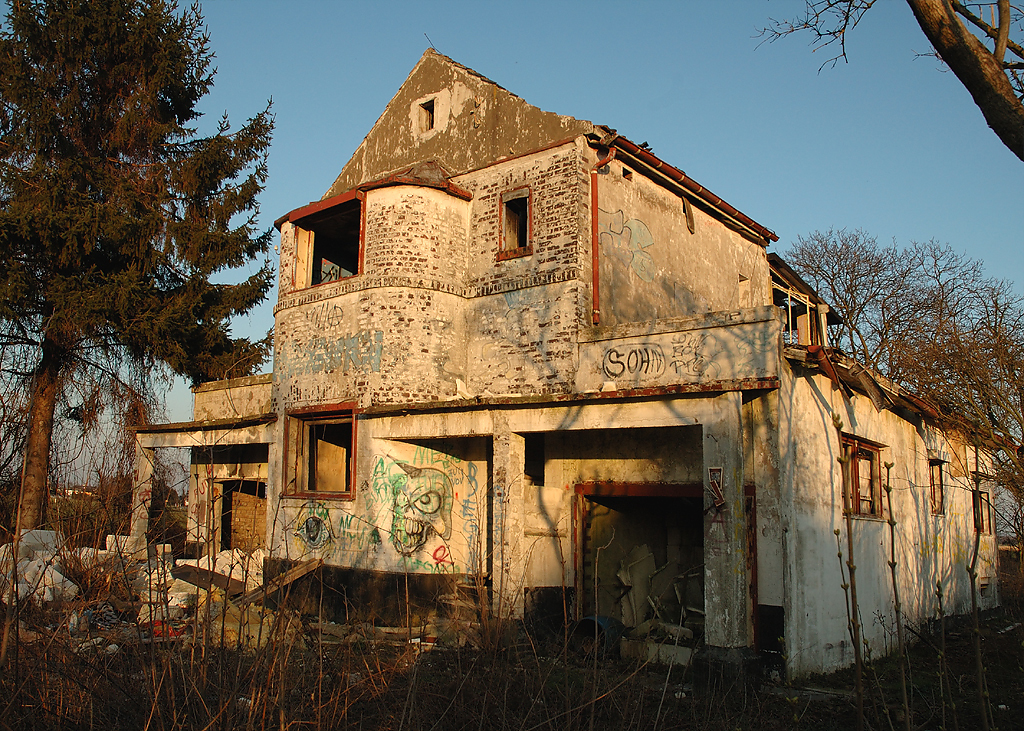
point(930, 548)
point(419, 508)
point(653, 267)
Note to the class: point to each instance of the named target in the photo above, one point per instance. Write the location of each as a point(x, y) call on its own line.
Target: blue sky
point(888, 142)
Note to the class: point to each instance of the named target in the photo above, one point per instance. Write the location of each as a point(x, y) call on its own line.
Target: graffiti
point(628, 242)
point(363, 351)
point(313, 527)
point(635, 360)
point(315, 531)
point(324, 315)
point(360, 352)
point(688, 356)
point(441, 555)
point(715, 485)
point(422, 508)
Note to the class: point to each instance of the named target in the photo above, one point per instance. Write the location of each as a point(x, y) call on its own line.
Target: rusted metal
point(639, 489)
point(595, 239)
point(698, 190)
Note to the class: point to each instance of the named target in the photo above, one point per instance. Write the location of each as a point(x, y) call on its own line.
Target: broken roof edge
point(846, 373)
point(614, 140)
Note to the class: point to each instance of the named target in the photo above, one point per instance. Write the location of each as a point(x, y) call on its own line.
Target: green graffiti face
point(422, 508)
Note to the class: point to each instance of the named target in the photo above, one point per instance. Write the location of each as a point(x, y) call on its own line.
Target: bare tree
point(928, 318)
point(958, 33)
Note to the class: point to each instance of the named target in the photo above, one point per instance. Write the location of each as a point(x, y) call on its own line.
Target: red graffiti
point(441, 556)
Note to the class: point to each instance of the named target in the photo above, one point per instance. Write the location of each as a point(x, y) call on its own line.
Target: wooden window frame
point(504, 250)
point(314, 216)
point(855, 452)
point(936, 487)
point(981, 503)
point(298, 453)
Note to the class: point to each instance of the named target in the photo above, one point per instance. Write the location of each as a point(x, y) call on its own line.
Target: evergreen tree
point(114, 213)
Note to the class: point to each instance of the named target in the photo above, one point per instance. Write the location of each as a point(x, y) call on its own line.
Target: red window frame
point(862, 493)
point(298, 452)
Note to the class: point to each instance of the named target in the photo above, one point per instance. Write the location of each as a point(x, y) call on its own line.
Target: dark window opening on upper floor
point(515, 224)
point(335, 243)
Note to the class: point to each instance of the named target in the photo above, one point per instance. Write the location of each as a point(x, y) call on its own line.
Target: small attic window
point(516, 224)
point(426, 116)
point(332, 242)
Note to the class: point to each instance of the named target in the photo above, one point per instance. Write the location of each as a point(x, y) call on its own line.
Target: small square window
point(427, 116)
point(516, 225)
point(937, 495)
point(861, 477)
point(321, 455)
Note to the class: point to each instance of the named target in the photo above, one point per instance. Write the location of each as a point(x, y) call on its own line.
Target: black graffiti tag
point(635, 360)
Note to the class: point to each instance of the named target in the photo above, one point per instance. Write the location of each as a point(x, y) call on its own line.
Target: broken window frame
point(326, 216)
point(524, 235)
point(300, 473)
point(981, 503)
point(857, 452)
point(937, 491)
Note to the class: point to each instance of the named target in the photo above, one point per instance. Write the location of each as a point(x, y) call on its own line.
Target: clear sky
point(888, 142)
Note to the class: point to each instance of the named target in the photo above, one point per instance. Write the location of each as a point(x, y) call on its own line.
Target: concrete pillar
point(508, 562)
point(142, 498)
point(726, 592)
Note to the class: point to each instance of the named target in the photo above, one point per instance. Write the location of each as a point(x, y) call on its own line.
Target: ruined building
point(521, 360)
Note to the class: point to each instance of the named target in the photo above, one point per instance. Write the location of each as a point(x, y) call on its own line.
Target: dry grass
point(318, 682)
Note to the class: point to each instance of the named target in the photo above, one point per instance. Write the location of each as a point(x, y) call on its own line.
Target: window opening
point(861, 477)
point(334, 242)
point(515, 221)
point(427, 116)
point(534, 468)
point(937, 495)
point(982, 512)
point(322, 455)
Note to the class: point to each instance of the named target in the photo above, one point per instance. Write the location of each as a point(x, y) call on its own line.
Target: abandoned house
point(521, 359)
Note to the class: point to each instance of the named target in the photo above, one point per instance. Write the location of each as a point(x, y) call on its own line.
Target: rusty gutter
point(595, 253)
point(699, 191)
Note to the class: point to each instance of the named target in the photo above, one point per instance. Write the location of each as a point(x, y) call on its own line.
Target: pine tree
point(114, 213)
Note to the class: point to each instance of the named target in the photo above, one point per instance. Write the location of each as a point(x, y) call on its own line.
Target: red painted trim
point(639, 489)
point(310, 209)
point(318, 413)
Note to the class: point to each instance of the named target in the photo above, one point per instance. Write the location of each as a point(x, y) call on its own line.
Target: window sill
point(345, 496)
point(515, 253)
point(866, 516)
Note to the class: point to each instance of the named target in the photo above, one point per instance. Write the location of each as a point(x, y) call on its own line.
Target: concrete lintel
point(253, 434)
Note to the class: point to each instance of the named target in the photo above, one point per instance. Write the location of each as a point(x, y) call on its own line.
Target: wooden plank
point(279, 582)
point(205, 579)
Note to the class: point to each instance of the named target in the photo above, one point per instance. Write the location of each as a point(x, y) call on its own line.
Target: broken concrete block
point(38, 541)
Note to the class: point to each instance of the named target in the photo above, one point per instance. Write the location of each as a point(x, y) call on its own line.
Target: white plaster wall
point(929, 548)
